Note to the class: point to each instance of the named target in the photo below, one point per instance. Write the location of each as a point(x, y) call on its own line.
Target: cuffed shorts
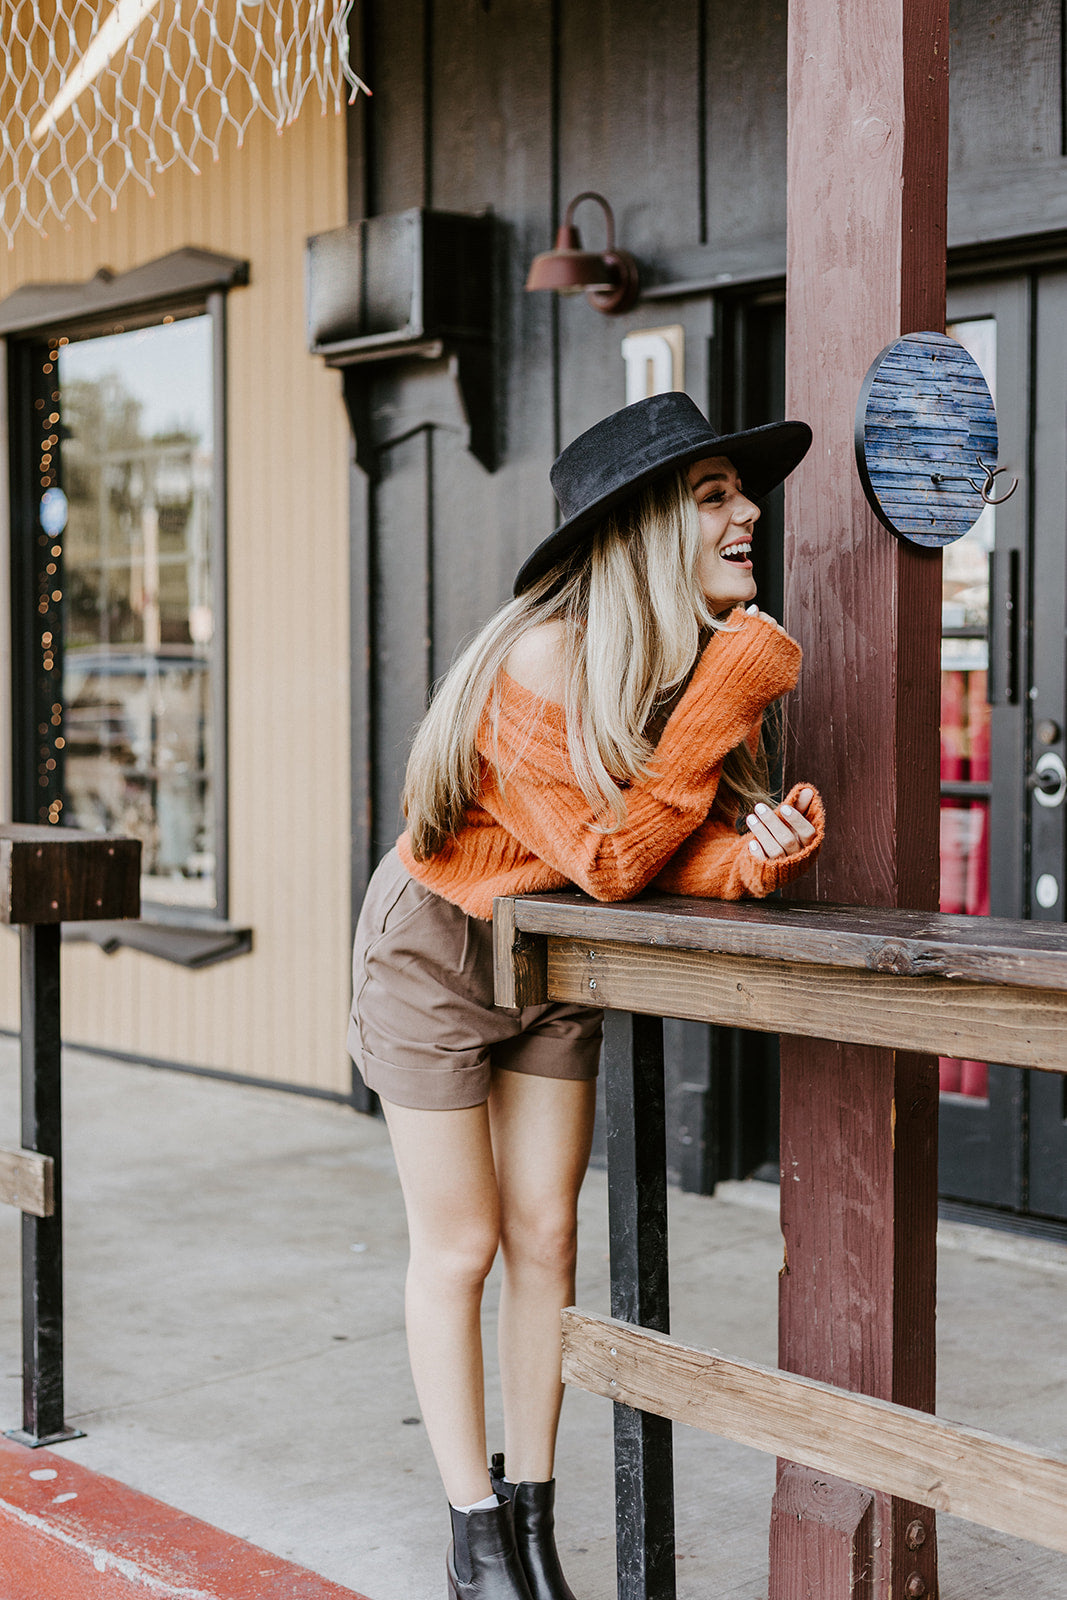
point(424, 1030)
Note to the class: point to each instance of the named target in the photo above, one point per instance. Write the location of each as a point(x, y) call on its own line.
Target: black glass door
point(1002, 727)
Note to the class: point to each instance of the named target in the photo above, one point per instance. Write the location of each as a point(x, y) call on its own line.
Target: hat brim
point(764, 457)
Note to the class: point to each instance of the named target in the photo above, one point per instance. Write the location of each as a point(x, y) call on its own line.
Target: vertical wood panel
point(397, 112)
point(492, 150)
point(629, 101)
point(279, 1012)
point(1006, 107)
point(400, 604)
point(458, 123)
point(746, 120)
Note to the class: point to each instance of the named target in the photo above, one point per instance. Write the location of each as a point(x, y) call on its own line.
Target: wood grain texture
point(518, 960)
point(865, 255)
point(866, 240)
point(995, 45)
point(67, 875)
point(27, 1182)
point(858, 1207)
point(878, 938)
point(891, 1448)
point(828, 1529)
point(924, 421)
point(1021, 1027)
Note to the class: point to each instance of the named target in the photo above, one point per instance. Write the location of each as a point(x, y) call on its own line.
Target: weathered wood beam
point(876, 938)
point(27, 1182)
point(1001, 1022)
point(910, 1454)
point(867, 162)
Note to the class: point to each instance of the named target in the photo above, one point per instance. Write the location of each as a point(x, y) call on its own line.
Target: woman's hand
point(782, 832)
point(764, 616)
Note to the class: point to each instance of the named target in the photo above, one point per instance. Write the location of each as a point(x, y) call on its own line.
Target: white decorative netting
point(93, 93)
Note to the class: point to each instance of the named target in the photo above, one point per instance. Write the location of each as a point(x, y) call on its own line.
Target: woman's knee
point(544, 1239)
point(459, 1260)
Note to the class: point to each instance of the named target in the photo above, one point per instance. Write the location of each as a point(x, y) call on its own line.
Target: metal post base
point(32, 1442)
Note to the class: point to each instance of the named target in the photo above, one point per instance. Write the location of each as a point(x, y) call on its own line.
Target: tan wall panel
point(281, 1011)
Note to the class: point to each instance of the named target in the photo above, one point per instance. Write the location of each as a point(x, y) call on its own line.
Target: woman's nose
point(745, 512)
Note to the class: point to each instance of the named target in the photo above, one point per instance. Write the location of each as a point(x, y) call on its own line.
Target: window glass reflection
point(138, 472)
point(965, 713)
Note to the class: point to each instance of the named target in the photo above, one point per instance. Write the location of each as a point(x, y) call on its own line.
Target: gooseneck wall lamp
point(608, 278)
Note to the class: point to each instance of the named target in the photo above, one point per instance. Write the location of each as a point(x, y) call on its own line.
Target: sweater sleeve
point(528, 785)
point(715, 860)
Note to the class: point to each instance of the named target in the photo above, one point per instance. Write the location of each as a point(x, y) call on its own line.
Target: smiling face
point(727, 522)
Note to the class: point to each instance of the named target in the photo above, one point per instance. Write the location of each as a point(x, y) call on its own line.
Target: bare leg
point(445, 1162)
point(542, 1131)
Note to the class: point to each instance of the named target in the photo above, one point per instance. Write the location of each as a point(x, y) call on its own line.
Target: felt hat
point(616, 457)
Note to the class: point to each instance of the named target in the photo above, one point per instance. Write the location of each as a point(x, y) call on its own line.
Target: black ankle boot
point(482, 1562)
point(535, 1538)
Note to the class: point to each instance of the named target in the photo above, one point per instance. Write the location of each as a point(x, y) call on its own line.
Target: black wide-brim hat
point(616, 457)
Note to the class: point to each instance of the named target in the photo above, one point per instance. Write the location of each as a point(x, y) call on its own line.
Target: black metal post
point(42, 1237)
point(640, 1293)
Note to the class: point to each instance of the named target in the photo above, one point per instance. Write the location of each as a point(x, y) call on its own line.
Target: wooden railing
point(955, 986)
point(49, 876)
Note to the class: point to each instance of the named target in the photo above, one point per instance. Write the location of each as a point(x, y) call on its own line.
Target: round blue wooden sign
point(926, 438)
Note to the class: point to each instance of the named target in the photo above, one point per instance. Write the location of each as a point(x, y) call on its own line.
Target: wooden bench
point(958, 986)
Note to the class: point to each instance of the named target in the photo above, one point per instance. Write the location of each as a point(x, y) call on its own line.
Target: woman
point(603, 729)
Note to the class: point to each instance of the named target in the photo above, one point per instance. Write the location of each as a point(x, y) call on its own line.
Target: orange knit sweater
point(534, 830)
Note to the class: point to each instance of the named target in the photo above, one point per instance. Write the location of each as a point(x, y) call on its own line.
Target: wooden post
point(867, 174)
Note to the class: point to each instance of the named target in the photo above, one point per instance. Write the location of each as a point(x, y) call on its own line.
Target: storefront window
point(965, 775)
point(136, 484)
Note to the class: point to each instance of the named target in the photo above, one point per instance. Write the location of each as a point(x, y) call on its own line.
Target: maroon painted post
point(868, 133)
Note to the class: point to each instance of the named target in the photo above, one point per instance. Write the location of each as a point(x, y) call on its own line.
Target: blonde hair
point(632, 612)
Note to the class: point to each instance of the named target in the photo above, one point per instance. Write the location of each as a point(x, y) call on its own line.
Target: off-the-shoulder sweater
point(531, 827)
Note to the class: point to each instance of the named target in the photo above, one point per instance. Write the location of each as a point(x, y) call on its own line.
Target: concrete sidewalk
point(235, 1345)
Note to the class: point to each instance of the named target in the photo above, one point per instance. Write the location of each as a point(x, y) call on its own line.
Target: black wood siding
point(676, 112)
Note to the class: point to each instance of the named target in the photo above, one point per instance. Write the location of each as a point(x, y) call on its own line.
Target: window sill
point(186, 944)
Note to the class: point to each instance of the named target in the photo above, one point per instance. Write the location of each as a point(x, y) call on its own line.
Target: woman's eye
point(716, 498)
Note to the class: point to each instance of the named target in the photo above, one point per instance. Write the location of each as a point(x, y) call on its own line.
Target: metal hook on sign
point(984, 488)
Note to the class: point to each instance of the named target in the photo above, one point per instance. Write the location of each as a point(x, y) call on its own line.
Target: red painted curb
point(70, 1534)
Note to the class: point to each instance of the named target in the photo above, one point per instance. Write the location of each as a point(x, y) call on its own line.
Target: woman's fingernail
point(754, 847)
point(750, 611)
point(787, 811)
point(761, 808)
point(750, 819)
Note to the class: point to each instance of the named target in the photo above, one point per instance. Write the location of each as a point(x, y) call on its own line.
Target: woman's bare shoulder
point(537, 660)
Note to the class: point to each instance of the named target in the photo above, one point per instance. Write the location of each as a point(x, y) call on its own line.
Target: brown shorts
point(424, 1030)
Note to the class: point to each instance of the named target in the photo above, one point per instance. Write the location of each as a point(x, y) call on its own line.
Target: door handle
point(1048, 780)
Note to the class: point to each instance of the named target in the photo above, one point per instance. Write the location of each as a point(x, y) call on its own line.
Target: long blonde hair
point(632, 612)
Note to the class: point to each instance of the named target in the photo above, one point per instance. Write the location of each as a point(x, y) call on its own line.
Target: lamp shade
point(568, 268)
point(609, 277)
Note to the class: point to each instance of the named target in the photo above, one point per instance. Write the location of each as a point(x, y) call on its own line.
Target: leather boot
point(482, 1561)
point(535, 1538)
